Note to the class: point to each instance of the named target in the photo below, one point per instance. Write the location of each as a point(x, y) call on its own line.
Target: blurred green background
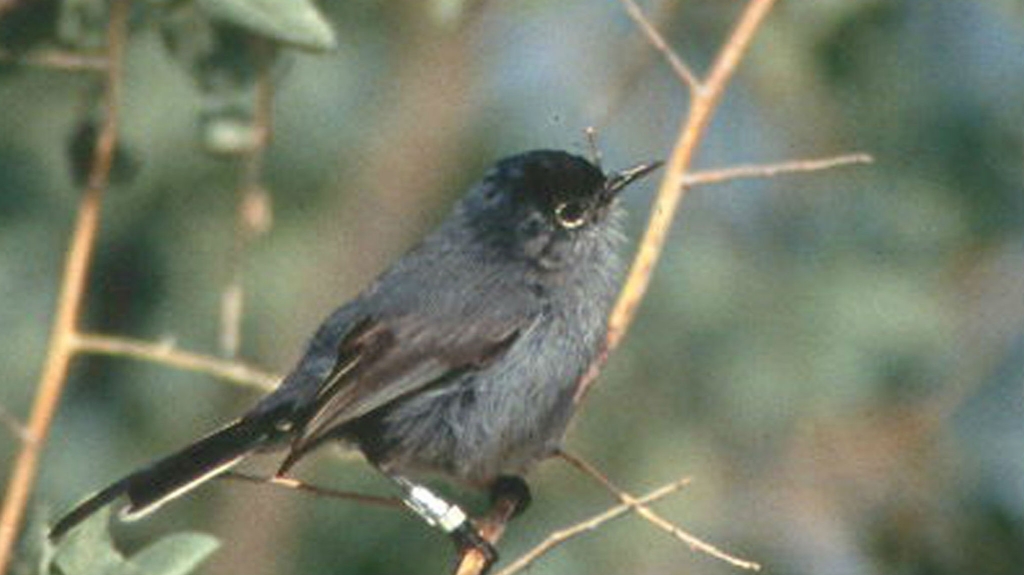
point(837, 359)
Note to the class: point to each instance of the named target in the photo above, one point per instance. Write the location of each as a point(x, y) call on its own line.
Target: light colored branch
point(561, 536)
point(658, 521)
point(637, 58)
point(253, 216)
point(703, 104)
point(657, 41)
point(57, 60)
point(166, 354)
point(671, 190)
point(752, 171)
point(17, 428)
point(72, 289)
point(491, 528)
point(296, 485)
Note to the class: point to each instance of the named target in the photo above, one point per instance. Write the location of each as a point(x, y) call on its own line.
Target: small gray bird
point(461, 360)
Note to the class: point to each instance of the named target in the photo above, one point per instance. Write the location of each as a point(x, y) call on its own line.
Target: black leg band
point(468, 538)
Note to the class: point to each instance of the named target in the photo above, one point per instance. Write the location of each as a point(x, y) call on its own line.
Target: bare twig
point(672, 529)
point(76, 271)
point(703, 104)
point(253, 212)
point(637, 58)
point(561, 536)
point(670, 192)
point(492, 527)
point(57, 59)
point(166, 354)
point(704, 178)
point(296, 485)
point(17, 428)
point(679, 67)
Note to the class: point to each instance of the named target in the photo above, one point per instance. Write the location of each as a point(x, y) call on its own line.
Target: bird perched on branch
point(461, 360)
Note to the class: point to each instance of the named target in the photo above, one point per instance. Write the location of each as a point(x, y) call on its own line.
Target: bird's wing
point(382, 360)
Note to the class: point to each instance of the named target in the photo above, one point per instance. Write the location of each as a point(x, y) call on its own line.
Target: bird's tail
point(154, 485)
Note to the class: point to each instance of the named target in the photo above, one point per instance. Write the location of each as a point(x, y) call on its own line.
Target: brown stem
point(492, 527)
point(673, 185)
point(655, 39)
point(232, 371)
point(694, 542)
point(704, 178)
point(296, 485)
point(253, 212)
point(587, 525)
point(57, 60)
point(671, 190)
point(76, 270)
point(8, 420)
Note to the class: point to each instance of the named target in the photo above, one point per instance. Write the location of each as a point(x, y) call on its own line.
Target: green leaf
point(295, 22)
point(35, 551)
point(176, 554)
point(89, 550)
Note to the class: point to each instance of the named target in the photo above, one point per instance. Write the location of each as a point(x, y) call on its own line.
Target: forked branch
point(76, 270)
point(658, 521)
point(561, 536)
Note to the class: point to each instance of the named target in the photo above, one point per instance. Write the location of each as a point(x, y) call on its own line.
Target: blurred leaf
point(35, 552)
point(83, 23)
point(450, 12)
point(228, 132)
point(26, 23)
point(295, 22)
point(175, 554)
point(89, 550)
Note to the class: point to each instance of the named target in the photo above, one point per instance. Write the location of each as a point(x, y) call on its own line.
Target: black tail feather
point(86, 508)
point(173, 475)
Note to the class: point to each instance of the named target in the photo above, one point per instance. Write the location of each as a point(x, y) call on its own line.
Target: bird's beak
point(618, 181)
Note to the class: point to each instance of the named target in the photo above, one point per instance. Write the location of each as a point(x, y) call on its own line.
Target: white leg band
point(434, 510)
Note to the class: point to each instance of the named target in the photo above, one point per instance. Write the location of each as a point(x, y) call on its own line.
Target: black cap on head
point(552, 177)
point(548, 177)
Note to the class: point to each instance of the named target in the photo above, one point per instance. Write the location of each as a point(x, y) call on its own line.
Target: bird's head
point(547, 205)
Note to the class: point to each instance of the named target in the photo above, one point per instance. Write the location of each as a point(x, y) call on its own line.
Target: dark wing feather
point(384, 360)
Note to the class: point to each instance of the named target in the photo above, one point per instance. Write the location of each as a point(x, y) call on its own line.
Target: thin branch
point(671, 190)
point(577, 529)
point(166, 354)
point(491, 528)
point(253, 212)
point(672, 529)
point(57, 60)
point(637, 58)
point(772, 170)
point(76, 271)
point(734, 49)
point(296, 485)
point(16, 427)
point(679, 67)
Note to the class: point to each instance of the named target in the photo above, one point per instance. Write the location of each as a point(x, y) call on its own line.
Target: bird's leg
point(446, 516)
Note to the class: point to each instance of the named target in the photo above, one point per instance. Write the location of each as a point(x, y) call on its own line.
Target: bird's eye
point(571, 215)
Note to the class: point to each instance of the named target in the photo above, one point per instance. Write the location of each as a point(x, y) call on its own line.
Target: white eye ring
point(570, 215)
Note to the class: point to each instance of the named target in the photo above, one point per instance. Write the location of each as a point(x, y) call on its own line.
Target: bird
point(461, 360)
